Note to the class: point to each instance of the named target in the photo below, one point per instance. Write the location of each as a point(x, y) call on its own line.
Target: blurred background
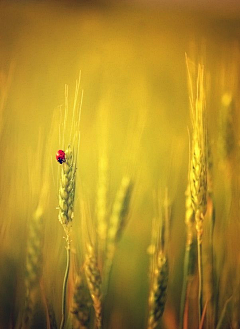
point(131, 55)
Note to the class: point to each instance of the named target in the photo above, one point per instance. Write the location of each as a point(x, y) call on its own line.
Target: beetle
point(60, 156)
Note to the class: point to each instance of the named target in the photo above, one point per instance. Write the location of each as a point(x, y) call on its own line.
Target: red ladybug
point(60, 156)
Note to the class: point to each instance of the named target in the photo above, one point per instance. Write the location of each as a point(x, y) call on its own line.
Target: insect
point(60, 156)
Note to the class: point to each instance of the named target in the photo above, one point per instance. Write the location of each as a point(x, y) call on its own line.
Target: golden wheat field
point(120, 152)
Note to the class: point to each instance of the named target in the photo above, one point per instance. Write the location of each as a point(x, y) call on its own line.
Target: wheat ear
point(159, 263)
point(66, 207)
point(226, 127)
point(69, 126)
point(102, 205)
point(94, 282)
point(158, 293)
point(33, 266)
point(81, 306)
point(38, 179)
point(117, 223)
point(198, 163)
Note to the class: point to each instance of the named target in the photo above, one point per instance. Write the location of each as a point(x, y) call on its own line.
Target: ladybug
point(60, 156)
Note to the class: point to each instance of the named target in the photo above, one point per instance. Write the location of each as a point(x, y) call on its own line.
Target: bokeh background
point(132, 61)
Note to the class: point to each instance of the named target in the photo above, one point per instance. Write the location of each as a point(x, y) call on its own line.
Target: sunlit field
point(135, 224)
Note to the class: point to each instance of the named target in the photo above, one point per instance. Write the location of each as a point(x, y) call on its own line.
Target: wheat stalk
point(103, 178)
point(102, 205)
point(33, 268)
point(209, 280)
point(236, 301)
point(198, 162)
point(94, 282)
point(5, 82)
point(226, 128)
point(81, 306)
point(189, 259)
point(66, 207)
point(69, 127)
point(159, 262)
point(158, 292)
point(116, 225)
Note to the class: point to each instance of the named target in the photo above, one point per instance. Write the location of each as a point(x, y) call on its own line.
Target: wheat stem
point(64, 289)
point(198, 163)
point(189, 258)
point(188, 273)
point(200, 277)
point(221, 319)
